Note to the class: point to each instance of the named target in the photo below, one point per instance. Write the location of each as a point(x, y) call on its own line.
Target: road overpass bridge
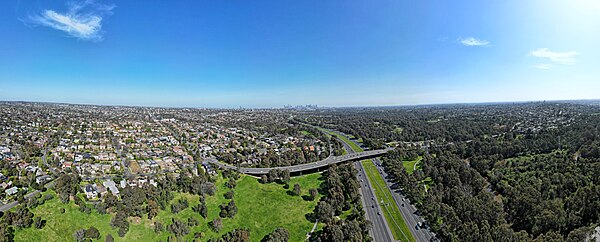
point(305, 168)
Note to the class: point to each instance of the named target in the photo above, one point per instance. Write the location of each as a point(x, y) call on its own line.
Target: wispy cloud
point(83, 19)
point(543, 66)
point(564, 58)
point(471, 41)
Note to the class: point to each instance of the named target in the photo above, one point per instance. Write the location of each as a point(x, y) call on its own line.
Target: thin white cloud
point(564, 58)
point(471, 41)
point(83, 20)
point(543, 66)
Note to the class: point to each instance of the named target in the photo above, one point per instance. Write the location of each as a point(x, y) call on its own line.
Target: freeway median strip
point(390, 209)
point(391, 212)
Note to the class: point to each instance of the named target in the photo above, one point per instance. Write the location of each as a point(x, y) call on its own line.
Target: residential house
point(112, 187)
point(11, 191)
point(43, 179)
point(91, 192)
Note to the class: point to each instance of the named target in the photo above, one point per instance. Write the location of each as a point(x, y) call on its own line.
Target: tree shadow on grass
point(322, 187)
point(312, 217)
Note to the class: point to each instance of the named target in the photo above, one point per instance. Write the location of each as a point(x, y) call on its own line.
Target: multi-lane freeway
point(409, 212)
point(380, 230)
point(303, 168)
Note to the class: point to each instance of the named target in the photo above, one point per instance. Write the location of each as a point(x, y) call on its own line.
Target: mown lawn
point(261, 209)
point(410, 165)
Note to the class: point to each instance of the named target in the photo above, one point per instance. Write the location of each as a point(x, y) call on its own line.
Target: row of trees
point(276, 175)
point(341, 193)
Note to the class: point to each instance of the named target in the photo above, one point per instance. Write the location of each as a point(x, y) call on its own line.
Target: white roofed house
point(11, 191)
point(91, 192)
point(42, 179)
point(111, 186)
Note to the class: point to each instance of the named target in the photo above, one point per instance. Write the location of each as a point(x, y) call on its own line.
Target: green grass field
point(410, 165)
point(60, 227)
point(261, 209)
point(391, 212)
point(305, 133)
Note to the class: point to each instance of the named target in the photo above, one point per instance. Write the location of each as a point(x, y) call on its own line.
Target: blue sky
point(272, 53)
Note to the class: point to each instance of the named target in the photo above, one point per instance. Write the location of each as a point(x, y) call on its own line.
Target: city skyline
point(271, 54)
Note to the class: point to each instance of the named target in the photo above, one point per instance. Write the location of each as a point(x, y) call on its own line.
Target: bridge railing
point(308, 166)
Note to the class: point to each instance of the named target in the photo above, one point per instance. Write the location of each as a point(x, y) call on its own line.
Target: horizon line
point(303, 105)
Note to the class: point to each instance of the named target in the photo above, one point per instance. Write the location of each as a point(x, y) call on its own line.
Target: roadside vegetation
point(390, 209)
point(341, 208)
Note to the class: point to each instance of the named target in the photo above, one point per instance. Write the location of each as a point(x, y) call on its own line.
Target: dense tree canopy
point(496, 172)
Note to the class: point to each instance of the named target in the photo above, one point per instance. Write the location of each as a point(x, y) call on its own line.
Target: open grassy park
point(412, 165)
point(261, 209)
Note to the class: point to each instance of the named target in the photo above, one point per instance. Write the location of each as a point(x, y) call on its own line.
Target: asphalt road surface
point(408, 210)
point(380, 230)
point(10, 205)
point(308, 166)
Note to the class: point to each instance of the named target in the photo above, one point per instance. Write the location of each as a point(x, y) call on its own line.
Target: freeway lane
point(380, 230)
point(308, 166)
point(409, 212)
